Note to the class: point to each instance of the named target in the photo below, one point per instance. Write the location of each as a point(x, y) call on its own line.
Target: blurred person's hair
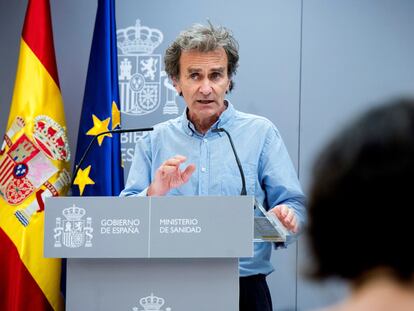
point(360, 208)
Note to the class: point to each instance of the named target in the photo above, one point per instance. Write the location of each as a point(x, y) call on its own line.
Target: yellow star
point(116, 115)
point(83, 179)
point(99, 127)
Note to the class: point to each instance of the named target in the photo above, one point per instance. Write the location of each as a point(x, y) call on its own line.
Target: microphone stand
point(275, 221)
point(243, 191)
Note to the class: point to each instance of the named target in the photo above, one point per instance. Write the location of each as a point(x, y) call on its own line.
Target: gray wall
point(309, 66)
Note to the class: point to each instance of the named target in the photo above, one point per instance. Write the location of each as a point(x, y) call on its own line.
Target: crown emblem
point(51, 138)
point(151, 303)
point(73, 213)
point(138, 39)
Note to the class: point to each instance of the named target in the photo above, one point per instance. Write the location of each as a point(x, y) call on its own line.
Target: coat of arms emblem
point(73, 231)
point(140, 77)
point(27, 166)
point(151, 303)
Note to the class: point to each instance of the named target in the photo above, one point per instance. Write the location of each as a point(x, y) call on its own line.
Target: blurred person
point(360, 210)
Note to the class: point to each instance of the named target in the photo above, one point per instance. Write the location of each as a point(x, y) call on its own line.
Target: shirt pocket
point(231, 182)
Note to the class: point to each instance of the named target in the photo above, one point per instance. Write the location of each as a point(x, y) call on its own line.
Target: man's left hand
point(287, 216)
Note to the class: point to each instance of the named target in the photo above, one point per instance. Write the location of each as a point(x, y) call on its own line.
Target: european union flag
point(101, 174)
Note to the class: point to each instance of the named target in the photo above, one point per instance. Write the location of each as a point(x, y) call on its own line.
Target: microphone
point(243, 191)
point(117, 131)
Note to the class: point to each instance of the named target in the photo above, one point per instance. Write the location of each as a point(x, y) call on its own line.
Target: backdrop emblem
point(140, 77)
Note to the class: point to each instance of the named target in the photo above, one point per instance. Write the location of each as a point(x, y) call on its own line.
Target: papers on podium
point(268, 228)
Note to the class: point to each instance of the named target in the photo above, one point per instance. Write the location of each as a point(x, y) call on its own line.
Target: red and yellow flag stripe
point(28, 281)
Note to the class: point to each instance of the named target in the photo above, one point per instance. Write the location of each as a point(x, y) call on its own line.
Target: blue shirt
point(270, 175)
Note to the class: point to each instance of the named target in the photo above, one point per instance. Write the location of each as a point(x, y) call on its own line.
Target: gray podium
point(150, 253)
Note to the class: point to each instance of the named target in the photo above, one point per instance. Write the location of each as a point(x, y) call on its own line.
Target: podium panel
point(133, 284)
point(149, 227)
point(150, 253)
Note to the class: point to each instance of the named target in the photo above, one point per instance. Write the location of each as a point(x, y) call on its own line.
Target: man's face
point(203, 82)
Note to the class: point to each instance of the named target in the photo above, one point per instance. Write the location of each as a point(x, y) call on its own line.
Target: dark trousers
point(254, 294)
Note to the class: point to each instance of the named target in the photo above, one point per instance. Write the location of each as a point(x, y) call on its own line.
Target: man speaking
point(201, 62)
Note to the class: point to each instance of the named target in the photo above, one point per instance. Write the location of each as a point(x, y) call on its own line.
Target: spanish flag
point(34, 164)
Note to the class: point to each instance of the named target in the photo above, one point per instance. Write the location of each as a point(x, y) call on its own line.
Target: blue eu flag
point(101, 173)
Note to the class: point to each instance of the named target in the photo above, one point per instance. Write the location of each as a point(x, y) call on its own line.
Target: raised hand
point(169, 175)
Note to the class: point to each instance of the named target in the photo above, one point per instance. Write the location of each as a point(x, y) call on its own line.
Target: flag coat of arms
point(101, 174)
point(34, 164)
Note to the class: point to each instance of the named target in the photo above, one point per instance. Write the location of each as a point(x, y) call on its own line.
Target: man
point(201, 63)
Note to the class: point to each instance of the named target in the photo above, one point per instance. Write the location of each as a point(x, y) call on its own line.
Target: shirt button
point(203, 169)
point(205, 140)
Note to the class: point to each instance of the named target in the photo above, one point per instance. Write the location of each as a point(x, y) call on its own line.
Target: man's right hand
point(169, 176)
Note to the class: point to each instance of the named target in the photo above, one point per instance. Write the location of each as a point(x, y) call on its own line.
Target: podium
point(150, 253)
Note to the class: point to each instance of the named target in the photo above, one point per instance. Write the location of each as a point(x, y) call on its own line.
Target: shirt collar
point(223, 121)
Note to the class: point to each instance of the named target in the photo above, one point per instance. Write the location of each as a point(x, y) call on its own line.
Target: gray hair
point(203, 39)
